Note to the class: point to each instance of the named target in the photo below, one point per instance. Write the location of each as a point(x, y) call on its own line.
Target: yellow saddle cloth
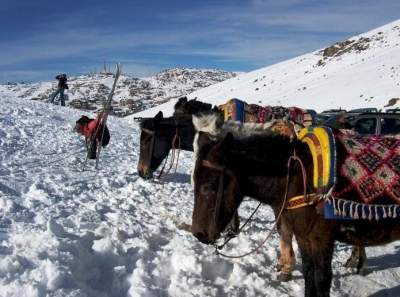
point(321, 142)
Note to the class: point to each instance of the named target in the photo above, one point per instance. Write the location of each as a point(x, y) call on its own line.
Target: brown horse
point(159, 135)
point(227, 170)
point(213, 125)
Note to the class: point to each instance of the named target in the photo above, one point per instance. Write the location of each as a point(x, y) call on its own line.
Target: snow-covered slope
point(87, 92)
point(363, 71)
point(64, 232)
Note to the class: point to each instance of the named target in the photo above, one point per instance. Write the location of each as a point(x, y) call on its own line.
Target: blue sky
point(42, 38)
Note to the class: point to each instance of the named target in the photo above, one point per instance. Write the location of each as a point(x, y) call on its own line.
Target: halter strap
point(294, 157)
point(148, 131)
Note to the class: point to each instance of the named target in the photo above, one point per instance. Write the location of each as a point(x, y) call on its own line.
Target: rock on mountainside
point(87, 92)
point(363, 71)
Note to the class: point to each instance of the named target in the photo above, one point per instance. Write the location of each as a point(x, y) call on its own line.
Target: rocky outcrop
point(89, 92)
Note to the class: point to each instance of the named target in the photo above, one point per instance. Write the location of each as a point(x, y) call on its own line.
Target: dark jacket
point(62, 81)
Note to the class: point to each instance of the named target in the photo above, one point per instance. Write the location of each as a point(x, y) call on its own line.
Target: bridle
point(224, 171)
point(174, 155)
point(174, 148)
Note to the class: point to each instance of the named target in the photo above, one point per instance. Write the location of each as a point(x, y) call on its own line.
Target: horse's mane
point(256, 140)
point(213, 124)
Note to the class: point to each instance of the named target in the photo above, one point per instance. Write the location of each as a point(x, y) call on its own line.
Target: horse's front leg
point(357, 259)
point(322, 258)
point(308, 269)
point(287, 258)
point(316, 257)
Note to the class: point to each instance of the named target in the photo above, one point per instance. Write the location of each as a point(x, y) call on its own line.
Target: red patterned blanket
point(369, 171)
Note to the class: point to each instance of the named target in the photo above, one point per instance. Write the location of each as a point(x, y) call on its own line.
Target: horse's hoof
point(362, 271)
point(284, 277)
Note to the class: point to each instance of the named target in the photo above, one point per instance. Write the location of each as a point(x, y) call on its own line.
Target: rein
point(174, 148)
point(223, 171)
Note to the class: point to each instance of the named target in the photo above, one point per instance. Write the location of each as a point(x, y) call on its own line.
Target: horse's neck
point(267, 190)
point(267, 187)
point(186, 137)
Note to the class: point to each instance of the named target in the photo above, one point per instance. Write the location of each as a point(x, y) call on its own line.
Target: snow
point(64, 232)
point(355, 79)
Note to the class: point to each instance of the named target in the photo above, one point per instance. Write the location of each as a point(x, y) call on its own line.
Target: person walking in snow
point(62, 86)
point(93, 134)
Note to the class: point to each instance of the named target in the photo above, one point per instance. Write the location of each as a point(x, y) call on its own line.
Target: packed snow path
point(64, 232)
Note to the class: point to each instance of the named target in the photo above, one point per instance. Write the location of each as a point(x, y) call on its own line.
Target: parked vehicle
point(376, 123)
point(371, 123)
point(363, 110)
point(393, 110)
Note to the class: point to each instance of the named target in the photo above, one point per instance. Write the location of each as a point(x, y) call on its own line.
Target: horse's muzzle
point(145, 174)
point(202, 237)
point(144, 171)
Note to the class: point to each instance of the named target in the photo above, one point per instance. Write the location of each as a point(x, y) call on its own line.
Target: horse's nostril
point(145, 174)
point(201, 237)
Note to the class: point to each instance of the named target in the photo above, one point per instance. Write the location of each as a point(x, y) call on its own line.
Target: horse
point(216, 129)
point(159, 135)
point(270, 168)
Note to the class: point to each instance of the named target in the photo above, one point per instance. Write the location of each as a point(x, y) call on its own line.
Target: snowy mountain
point(108, 233)
point(363, 71)
point(87, 92)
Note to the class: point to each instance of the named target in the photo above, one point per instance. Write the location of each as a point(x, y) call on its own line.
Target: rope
point(44, 162)
point(173, 154)
point(241, 228)
point(292, 158)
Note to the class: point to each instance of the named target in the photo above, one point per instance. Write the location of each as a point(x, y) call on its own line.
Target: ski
point(102, 120)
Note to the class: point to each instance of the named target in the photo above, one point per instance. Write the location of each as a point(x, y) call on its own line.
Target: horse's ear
point(158, 116)
point(180, 102)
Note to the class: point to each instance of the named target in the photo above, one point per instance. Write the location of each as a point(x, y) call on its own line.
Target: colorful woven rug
point(371, 167)
point(368, 179)
point(238, 110)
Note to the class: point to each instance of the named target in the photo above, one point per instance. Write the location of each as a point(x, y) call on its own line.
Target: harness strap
point(283, 207)
point(300, 201)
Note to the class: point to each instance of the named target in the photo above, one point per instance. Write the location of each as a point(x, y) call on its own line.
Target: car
point(333, 111)
point(364, 110)
point(377, 123)
point(371, 123)
point(393, 110)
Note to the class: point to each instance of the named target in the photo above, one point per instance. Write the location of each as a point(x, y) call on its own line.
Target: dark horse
point(159, 135)
point(227, 170)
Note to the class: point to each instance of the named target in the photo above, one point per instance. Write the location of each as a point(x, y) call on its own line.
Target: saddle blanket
point(238, 110)
point(370, 168)
point(368, 180)
point(321, 143)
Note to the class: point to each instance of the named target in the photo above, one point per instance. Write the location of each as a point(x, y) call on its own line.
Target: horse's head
point(216, 188)
point(155, 143)
point(190, 107)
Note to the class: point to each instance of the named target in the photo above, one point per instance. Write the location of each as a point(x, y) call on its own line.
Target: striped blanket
point(238, 110)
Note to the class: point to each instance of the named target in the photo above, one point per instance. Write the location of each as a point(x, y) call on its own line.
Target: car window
point(366, 126)
point(390, 126)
